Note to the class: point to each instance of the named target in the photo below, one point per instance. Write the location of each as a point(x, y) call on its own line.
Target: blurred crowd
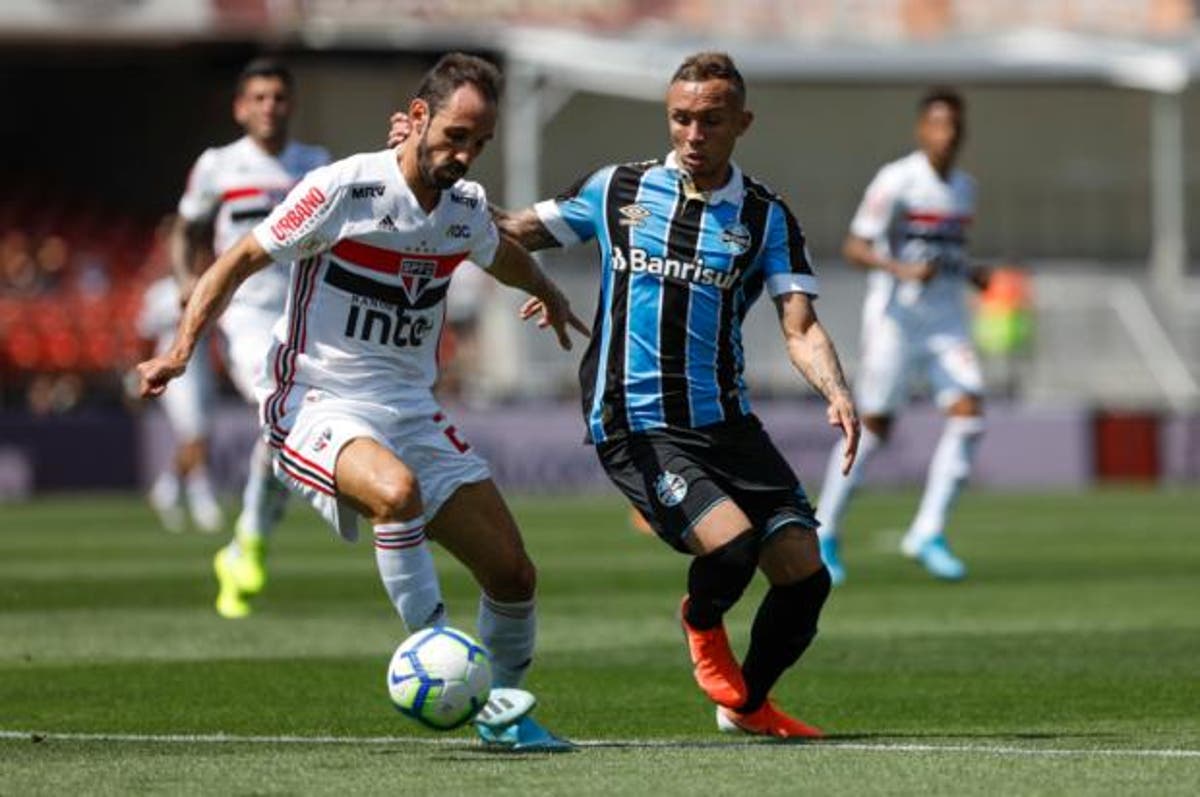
point(71, 289)
point(71, 283)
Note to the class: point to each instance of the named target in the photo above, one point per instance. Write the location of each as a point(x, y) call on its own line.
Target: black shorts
point(675, 476)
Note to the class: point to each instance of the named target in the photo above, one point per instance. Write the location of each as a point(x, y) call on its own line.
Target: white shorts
point(428, 444)
point(893, 352)
point(248, 334)
point(188, 399)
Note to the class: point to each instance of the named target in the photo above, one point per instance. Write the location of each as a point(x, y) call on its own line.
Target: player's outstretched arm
point(208, 300)
point(811, 350)
point(861, 252)
point(524, 227)
point(514, 267)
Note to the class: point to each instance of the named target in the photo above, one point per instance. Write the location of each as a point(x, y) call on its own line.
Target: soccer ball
point(440, 677)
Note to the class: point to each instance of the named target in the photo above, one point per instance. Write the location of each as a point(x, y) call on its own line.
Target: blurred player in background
point(686, 246)
point(230, 189)
point(347, 405)
point(188, 407)
point(910, 233)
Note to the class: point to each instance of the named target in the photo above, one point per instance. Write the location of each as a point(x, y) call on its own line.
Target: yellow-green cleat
point(248, 564)
point(231, 601)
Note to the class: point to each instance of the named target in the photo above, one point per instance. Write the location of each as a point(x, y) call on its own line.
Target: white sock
point(948, 472)
point(406, 568)
point(508, 630)
point(837, 488)
point(165, 490)
point(264, 498)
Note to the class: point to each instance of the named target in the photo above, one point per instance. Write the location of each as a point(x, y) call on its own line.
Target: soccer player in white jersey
point(910, 233)
point(346, 398)
point(230, 189)
point(186, 406)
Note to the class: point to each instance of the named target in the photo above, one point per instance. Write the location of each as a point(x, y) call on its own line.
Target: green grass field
point(1068, 663)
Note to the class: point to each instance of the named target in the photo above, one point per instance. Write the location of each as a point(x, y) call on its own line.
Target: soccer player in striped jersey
point(910, 233)
point(230, 189)
point(686, 245)
point(346, 402)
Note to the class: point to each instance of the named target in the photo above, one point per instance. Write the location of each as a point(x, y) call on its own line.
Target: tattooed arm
point(811, 350)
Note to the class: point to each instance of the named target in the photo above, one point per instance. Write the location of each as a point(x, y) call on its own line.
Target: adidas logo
point(386, 223)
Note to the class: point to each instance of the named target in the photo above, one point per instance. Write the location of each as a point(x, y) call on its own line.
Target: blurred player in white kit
point(230, 190)
point(187, 406)
point(910, 233)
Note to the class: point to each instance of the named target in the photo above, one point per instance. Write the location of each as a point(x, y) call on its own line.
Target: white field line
point(881, 747)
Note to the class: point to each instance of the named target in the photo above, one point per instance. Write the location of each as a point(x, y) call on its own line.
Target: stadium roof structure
point(545, 67)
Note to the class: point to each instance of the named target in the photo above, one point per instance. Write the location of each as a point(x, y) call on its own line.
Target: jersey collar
point(731, 192)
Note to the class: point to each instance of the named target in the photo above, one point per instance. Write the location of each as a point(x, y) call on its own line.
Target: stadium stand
point(71, 279)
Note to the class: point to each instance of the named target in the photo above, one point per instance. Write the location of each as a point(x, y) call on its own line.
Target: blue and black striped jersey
point(680, 270)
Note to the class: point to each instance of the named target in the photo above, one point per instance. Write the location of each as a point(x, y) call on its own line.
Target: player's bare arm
point(212, 293)
point(524, 227)
point(514, 267)
point(191, 253)
point(811, 350)
point(861, 252)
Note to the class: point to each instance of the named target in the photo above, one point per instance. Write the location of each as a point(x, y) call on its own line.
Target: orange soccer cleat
point(766, 720)
point(716, 670)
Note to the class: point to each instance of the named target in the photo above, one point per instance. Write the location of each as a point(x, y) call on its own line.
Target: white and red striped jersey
point(235, 187)
point(368, 292)
point(912, 214)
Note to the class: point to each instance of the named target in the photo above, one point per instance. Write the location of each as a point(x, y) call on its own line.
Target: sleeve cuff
point(549, 214)
point(263, 235)
point(779, 284)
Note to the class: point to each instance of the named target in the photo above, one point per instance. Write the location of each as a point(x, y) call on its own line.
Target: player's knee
point(398, 497)
point(878, 425)
point(739, 555)
point(717, 579)
point(791, 554)
point(969, 405)
point(512, 578)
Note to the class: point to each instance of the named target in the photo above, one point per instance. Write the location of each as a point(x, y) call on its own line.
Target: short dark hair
point(944, 95)
point(459, 69)
point(711, 65)
point(264, 67)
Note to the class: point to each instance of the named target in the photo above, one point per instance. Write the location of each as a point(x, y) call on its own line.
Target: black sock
point(716, 580)
point(784, 626)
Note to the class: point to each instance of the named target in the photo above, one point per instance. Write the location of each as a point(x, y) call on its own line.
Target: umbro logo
point(386, 223)
point(635, 215)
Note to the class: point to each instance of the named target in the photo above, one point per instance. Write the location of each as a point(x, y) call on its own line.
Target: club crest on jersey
point(322, 440)
point(670, 488)
point(736, 238)
point(415, 275)
point(635, 215)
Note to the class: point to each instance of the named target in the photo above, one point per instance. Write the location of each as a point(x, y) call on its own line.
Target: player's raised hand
point(400, 130)
point(842, 415)
point(155, 373)
point(556, 313)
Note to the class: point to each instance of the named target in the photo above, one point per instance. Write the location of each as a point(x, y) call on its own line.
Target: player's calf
point(715, 583)
point(784, 627)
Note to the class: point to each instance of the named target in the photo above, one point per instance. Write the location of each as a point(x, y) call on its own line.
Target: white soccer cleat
point(504, 707)
point(207, 516)
point(169, 509)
